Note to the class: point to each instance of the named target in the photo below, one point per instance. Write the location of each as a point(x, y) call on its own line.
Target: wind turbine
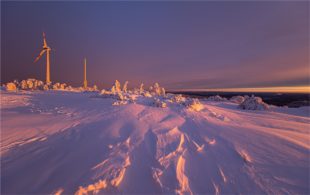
point(46, 49)
point(85, 79)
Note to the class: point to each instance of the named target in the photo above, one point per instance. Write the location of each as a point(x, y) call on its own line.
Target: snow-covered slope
point(68, 142)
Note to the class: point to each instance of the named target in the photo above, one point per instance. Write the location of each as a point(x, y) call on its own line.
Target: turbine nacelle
point(46, 49)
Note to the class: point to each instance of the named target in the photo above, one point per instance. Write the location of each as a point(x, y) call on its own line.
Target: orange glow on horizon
point(283, 89)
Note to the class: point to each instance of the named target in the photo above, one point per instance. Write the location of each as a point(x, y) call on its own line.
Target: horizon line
point(282, 89)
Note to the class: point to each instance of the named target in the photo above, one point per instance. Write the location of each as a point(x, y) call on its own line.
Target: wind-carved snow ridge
point(111, 171)
point(244, 155)
point(175, 158)
point(223, 175)
point(92, 188)
point(181, 176)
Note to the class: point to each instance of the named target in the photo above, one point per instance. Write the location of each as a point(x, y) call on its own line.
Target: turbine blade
point(44, 40)
point(39, 56)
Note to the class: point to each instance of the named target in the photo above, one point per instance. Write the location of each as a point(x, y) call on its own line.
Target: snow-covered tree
point(194, 104)
point(253, 103)
point(157, 89)
point(125, 87)
point(95, 88)
point(10, 87)
point(29, 83)
point(117, 86)
point(163, 91)
point(141, 90)
point(23, 84)
point(113, 91)
point(56, 86)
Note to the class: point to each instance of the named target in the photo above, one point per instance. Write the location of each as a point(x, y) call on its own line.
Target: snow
point(69, 142)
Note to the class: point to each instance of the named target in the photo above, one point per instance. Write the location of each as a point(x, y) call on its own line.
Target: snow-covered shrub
point(178, 99)
point(10, 87)
point(56, 86)
point(194, 104)
point(237, 99)
point(216, 98)
point(159, 103)
point(46, 87)
point(253, 103)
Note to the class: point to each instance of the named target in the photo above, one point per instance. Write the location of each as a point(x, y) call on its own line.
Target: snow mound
point(253, 103)
point(237, 99)
point(216, 98)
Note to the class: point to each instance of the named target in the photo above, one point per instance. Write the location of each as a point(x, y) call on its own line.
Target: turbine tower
point(85, 79)
point(46, 49)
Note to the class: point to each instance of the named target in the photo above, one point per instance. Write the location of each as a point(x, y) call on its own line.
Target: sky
point(182, 45)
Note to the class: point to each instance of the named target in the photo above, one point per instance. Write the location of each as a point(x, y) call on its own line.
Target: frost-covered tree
point(46, 87)
point(141, 90)
point(157, 89)
point(95, 88)
point(29, 83)
point(125, 87)
point(10, 87)
point(62, 86)
point(23, 84)
point(163, 91)
point(56, 86)
point(117, 86)
point(113, 91)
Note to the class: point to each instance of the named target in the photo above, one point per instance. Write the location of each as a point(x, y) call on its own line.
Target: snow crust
point(146, 141)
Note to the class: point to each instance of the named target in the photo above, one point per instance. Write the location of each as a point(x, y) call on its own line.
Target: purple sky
point(182, 45)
